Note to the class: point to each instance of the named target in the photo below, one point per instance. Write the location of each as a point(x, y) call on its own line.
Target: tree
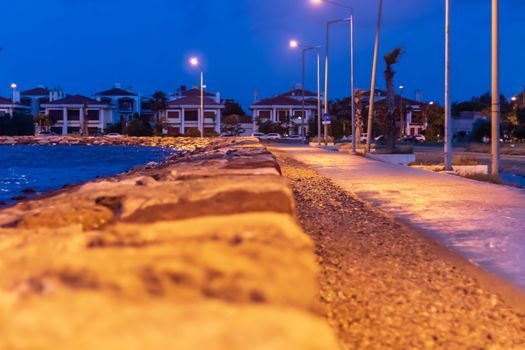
point(139, 126)
point(18, 125)
point(481, 104)
point(85, 122)
point(159, 104)
point(231, 125)
point(391, 59)
point(44, 121)
point(269, 127)
point(434, 115)
point(233, 108)
point(341, 111)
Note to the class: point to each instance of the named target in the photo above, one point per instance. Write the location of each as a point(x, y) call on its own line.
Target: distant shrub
point(18, 125)
point(192, 132)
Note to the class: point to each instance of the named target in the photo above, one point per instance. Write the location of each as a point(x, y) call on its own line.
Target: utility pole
point(448, 117)
point(496, 111)
point(373, 83)
point(326, 81)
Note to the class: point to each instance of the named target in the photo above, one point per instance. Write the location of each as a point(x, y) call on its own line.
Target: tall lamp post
point(401, 111)
point(373, 82)
point(352, 80)
point(496, 111)
point(194, 61)
point(295, 44)
point(13, 98)
point(448, 107)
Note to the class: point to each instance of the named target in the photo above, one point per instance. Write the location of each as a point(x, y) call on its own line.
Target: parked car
point(295, 138)
point(273, 136)
point(113, 134)
point(420, 138)
point(346, 139)
point(259, 135)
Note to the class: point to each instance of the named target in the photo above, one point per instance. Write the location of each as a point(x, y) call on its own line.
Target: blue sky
point(81, 44)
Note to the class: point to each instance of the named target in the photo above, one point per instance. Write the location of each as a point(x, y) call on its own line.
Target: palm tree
point(44, 121)
point(159, 103)
point(391, 59)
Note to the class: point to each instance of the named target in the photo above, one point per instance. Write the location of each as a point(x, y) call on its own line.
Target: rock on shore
point(179, 142)
point(200, 252)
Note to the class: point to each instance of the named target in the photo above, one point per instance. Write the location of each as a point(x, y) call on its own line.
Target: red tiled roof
point(192, 101)
point(195, 92)
point(77, 100)
point(279, 101)
point(5, 101)
point(116, 92)
point(39, 91)
point(299, 93)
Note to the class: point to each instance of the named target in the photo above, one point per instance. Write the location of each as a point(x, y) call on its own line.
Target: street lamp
point(401, 112)
point(295, 44)
point(195, 62)
point(373, 82)
point(448, 106)
point(496, 111)
point(13, 98)
point(352, 80)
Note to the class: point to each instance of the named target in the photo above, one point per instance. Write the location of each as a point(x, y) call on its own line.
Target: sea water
point(45, 168)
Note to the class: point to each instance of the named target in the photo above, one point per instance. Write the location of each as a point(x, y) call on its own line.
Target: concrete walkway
point(483, 222)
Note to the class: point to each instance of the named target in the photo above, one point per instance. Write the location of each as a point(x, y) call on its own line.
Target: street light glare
point(13, 86)
point(194, 61)
point(294, 44)
point(316, 1)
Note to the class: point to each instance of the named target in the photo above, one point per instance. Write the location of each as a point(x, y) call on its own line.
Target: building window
point(93, 114)
point(191, 116)
point(73, 114)
point(209, 115)
point(265, 114)
point(56, 115)
point(173, 114)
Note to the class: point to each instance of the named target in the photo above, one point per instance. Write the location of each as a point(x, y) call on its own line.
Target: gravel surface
point(387, 287)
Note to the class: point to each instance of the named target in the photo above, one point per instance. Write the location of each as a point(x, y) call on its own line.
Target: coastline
point(186, 143)
point(29, 171)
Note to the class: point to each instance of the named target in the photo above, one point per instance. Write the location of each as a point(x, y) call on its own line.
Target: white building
point(183, 112)
point(124, 103)
point(9, 106)
point(286, 108)
point(68, 114)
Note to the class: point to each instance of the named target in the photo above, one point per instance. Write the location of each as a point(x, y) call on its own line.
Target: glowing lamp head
point(513, 98)
point(194, 61)
point(316, 2)
point(294, 44)
point(431, 103)
point(401, 87)
point(13, 86)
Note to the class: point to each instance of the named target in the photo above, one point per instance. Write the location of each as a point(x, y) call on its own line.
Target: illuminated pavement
point(483, 222)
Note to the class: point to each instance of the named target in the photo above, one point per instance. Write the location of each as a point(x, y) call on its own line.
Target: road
point(481, 221)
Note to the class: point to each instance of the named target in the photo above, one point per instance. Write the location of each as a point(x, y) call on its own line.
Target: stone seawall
point(201, 252)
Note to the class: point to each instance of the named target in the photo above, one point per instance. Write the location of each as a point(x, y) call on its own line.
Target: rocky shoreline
point(179, 142)
point(199, 252)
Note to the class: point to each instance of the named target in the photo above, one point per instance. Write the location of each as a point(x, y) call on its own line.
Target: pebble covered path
point(385, 286)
